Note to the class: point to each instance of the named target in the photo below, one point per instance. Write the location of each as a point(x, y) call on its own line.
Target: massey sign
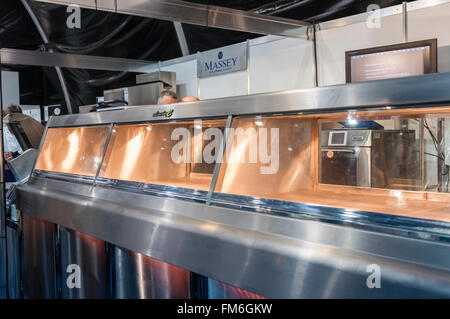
point(232, 58)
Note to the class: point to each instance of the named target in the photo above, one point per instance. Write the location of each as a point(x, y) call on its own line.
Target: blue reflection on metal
point(156, 190)
point(80, 179)
point(432, 230)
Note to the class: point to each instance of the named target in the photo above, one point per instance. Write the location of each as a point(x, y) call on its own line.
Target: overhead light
point(352, 121)
point(259, 123)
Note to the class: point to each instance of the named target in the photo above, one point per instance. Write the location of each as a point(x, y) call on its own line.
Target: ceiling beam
point(76, 61)
point(181, 38)
point(198, 14)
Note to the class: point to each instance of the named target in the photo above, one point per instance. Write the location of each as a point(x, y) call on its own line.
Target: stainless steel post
point(405, 21)
point(3, 260)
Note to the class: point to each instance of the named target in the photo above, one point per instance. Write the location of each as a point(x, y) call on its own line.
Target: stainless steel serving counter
point(274, 256)
point(162, 236)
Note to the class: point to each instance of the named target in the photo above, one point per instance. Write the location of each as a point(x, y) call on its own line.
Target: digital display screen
point(337, 138)
point(388, 63)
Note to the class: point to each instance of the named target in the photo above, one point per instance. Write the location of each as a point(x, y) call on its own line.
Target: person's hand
point(7, 155)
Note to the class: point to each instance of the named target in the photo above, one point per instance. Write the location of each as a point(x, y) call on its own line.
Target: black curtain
point(116, 35)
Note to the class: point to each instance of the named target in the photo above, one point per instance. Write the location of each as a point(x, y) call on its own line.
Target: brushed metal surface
point(425, 89)
point(140, 277)
point(14, 234)
point(200, 14)
point(39, 258)
point(90, 255)
point(23, 165)
point(37, 58)
point(305, 258)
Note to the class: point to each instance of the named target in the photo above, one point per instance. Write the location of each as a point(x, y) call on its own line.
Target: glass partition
point(268, 156)
point(73, 150)
point(385, 161)
point(173, 154)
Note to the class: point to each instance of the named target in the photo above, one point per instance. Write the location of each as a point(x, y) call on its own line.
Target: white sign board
point(228, 59)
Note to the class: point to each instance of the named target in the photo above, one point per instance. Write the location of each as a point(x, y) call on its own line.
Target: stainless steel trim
point(181, 38)
point(219, 158)
point(405, 21)
point(40, 146)
point(422, 152)
point(344, 150)
point(36, 58)
point(315, 58)
point(102, 158)
point(425, 89)
point(305, 258)
point(226, 18)
point(248, 67)
point(199, 14)
point(79, 179)
point(136, 193)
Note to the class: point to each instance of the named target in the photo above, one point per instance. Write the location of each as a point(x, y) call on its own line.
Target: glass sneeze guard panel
point(73, 150)
point(394, 162)
point(169, 154)
point(267, 156)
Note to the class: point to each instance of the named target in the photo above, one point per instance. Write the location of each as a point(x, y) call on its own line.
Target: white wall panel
point(432, 23)
point(333, 43)
point(186, 77)
point(231, 84)
point(281, 65)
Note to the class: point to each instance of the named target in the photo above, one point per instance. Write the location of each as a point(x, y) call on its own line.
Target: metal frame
point(418, 90)
point(181, 38)
point(3, 244)
point(102, 156)
point(219, 158)
point(199, 14)
point(415, 90)
point(306, 258)
point(47, 59)
point(431, 43)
